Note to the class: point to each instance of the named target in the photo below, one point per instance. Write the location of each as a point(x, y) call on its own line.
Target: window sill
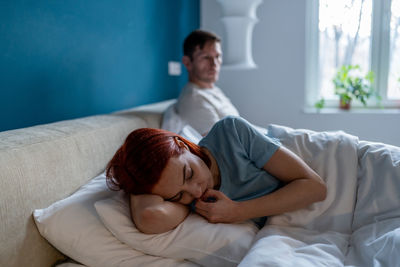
point(354, 110)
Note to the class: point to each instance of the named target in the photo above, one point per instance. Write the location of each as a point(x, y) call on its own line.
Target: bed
point(358, 224)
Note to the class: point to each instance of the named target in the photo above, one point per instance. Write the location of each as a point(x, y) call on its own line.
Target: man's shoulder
point(194, 88)
point(194, 94)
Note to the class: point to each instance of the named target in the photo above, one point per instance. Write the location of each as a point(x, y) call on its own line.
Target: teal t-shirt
point(241, 152)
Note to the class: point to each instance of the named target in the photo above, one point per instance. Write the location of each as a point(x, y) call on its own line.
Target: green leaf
point(320, 103)
point(349, 86)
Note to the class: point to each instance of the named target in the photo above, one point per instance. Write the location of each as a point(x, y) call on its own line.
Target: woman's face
point(185, 178)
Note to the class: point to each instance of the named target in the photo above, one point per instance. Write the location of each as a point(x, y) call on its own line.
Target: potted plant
point(349, 85)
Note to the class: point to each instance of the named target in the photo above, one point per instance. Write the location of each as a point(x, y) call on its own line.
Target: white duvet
point(359, 222)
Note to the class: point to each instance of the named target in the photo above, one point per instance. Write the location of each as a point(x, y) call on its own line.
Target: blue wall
point(67, 59)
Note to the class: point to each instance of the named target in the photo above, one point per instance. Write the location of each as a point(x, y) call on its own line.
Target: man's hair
point(198, 38)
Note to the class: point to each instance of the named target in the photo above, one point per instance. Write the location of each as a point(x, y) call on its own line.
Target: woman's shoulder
point(224, 127)
point(233, 121)
point(227, 128)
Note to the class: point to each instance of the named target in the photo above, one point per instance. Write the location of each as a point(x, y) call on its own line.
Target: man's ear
point(187, 62)
point(180, 143)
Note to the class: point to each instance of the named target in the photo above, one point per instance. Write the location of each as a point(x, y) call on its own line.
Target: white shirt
point(201, 108)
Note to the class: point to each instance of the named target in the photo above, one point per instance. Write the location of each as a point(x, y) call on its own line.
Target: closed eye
point(186, 177)
point(190, 176)
point(175, 198)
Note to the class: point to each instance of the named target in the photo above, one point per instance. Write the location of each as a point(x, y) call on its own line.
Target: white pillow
point(194, 239)
point(173, 122)
point(73, 227)
point(191, 134)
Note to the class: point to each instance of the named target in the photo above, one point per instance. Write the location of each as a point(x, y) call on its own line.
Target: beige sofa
point(43, 164)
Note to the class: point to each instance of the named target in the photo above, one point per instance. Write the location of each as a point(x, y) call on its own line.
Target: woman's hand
point(153, 215)
point(216, 207)
point(303, 186)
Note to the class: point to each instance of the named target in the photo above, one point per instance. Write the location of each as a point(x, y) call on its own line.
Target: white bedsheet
point(359, 222)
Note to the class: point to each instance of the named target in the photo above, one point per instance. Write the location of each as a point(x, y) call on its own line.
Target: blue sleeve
point(257, 146)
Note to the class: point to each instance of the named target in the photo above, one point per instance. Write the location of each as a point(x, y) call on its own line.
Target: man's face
point(205, 64)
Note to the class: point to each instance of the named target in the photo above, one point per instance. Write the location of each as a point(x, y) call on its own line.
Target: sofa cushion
point(46, 163)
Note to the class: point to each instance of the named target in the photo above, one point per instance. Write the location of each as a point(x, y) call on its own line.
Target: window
point(353, 32)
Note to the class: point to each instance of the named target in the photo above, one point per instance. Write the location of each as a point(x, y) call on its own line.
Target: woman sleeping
point(235, 173)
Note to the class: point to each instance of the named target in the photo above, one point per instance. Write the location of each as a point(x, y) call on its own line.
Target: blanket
point(358, 224)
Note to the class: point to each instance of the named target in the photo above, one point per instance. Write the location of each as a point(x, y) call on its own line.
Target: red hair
point(137, 165)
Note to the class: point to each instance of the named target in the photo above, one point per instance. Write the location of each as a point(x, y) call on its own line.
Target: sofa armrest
point(42, 164)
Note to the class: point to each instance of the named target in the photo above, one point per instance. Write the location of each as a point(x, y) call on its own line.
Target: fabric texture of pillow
point(194, 239)
point(171, 121)
point(174, 123)
point(73, 227)
point(191, 134)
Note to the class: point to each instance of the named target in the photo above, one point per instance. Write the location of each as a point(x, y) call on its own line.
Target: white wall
point(274, 92)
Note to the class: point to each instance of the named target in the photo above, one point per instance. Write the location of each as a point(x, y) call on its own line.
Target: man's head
point(202, 57)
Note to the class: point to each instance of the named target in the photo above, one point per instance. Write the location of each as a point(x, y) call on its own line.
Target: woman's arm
point(153, 215)
point(303, 187)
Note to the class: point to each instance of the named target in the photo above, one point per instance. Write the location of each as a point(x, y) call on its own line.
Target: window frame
point(379, 55)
